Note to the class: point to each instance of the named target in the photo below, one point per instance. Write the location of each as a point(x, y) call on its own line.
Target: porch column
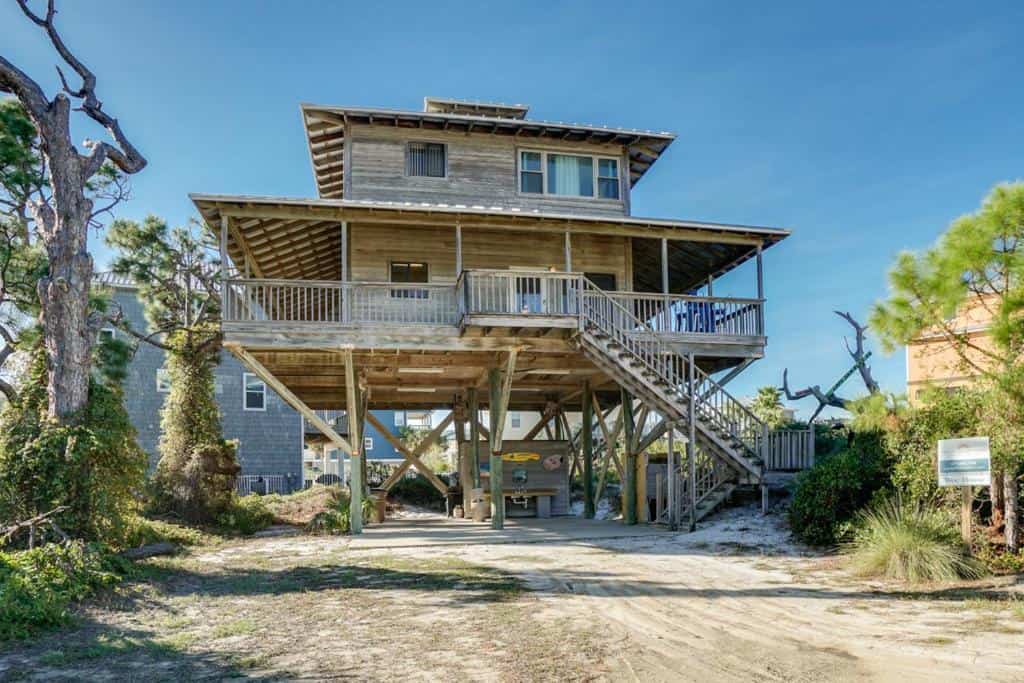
point(345, 293)
point(664, 265)
point(760, 292)
point(568, 252)
point(474, 436)
point(458, 249)
point(223, 263)
point(691, 443)
point(501, 388)
point(711, 288)
point(672, 478)
point(629, 467)
point(587, 440)
point(355, 486)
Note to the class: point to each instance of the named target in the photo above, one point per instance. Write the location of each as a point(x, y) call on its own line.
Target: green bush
point(38, 586)
point(93, 466)
point(911, 544)
point(245, 515)
point(829, 494)
point(417, 490)
point(330, 522)
point(141, 531)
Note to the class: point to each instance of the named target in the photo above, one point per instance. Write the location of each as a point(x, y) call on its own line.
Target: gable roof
point(326, 126)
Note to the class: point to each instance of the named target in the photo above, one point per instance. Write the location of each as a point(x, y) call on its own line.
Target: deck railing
point(789, 450)
point(307, 301)
point(677, 314)
point(519, 292)
point(533, 293)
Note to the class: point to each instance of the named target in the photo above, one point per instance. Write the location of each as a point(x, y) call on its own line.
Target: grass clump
point(245, 515)
point(141, 531)
point(299, 508)
point(38, 586)
point(909, 544)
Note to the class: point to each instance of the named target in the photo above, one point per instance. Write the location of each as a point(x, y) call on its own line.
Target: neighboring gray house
point(271, 441)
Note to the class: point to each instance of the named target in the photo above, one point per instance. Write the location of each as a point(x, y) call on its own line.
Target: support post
point(691, 443)
point(458, 249)
point(587, 441)
point(355, 486)
point(760, 291)
point(673, 478)
point(346, 294)
point(568, 252)
point(629, 485)
point(664, 265)
point(224, 264)
point(965, 516)
point(496, 469)
point(474, 437)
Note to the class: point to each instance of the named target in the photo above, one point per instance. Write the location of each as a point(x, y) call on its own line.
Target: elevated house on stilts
point(465, 257)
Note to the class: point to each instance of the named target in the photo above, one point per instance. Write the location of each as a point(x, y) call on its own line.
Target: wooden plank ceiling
point(690, 263)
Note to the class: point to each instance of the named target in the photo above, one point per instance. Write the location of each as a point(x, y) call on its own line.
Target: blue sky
point(864, 127)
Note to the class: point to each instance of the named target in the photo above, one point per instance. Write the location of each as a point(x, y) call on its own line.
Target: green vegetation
point(417, 490)
point(828, 495)
point(768, 408)
point(37, 586)
point(245, 515)
point(909, 543)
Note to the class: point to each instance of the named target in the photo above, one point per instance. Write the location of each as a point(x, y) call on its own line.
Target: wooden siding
point(482, 171)
point(373, 247)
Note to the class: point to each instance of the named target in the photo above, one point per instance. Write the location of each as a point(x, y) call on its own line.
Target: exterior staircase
point(729, 438)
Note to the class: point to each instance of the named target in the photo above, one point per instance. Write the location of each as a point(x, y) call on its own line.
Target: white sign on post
point(964, 462)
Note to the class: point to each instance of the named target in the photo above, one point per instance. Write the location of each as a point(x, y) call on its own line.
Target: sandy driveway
point(734, 601)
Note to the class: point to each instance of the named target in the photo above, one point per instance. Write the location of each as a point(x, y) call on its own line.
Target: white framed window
point(367, 443)
point(515, 420)
point(106, 334)
point(426, 159)
point(399, 418)
point(163, 380)
point(254, 392)
point(419, 419)
point(568, 175)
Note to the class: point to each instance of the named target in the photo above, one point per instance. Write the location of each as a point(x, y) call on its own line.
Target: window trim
point(405, 159)
point(420, 294)
point(367, 443)
point(245, 393)
point(595, 163)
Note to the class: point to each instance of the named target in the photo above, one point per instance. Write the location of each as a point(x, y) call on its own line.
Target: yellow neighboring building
point(933, 360)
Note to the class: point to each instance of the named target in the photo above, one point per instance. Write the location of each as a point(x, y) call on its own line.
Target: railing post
point(760, 292)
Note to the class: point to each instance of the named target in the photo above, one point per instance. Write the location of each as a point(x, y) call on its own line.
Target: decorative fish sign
point(520, 457)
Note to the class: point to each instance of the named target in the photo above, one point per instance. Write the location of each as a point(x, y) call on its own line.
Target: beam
point(587, 443)
point(629, 484)
point(355, 486)
point(412, 457)
point(500, 388)
point(258, 369)
point(474, 434)
point(691, 443)
point(346, 299)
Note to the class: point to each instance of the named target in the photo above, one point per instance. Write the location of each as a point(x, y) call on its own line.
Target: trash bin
point(478, 504)
point(380, 506)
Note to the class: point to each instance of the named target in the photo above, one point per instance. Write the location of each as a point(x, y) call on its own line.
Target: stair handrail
point(751, 434)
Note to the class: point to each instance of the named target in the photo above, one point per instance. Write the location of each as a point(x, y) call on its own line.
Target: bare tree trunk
point(1010, 494)
point(996, 489)
point(64, 292)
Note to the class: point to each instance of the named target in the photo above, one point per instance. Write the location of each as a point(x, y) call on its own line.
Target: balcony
point(480, 298)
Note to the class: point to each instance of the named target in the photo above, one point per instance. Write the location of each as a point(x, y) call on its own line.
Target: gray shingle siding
point(269, 441)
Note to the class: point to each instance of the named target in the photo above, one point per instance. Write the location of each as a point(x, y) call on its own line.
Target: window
point(368, 443)
point(516, 420)
point(419, 419)
point(105, 335)
point(254, 392)
point(399, 418)
point(406, 271)
point(163, 381)
point(568, 175)
point(425, 159)
point(608, 178)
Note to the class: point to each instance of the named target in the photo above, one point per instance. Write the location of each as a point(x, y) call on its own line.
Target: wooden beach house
point(466, 257)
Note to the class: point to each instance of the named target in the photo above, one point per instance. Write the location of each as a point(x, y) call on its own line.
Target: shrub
point(299, 508)
point(141, 531)
point(334, 521)
point(245, 515)
point(37, 586)
point(909, 543)
point(93, 466)
point(417, 490)
point(829, 494)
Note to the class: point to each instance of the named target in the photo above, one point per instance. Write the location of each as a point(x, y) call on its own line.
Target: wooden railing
point(518, 292)
point(307, 301)
point(714, 405)
point(789, 450)
point(676, 314)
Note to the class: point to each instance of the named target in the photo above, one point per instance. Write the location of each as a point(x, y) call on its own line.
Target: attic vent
point(437, 105)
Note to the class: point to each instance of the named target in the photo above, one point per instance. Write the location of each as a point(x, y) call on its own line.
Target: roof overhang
point(327, 126)
point(300, 238)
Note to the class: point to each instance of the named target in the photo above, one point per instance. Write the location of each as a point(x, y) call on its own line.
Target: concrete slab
point(440, 532)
